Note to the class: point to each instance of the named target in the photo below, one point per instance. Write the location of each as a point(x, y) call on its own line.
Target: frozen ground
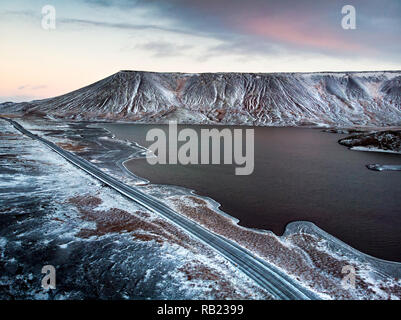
point(101, 244)
point(106, 221)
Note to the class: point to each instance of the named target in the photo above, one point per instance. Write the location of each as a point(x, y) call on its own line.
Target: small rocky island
point(380, 141)
point(384, 141)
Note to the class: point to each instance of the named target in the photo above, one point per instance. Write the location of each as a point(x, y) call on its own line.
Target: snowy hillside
point(335, 99)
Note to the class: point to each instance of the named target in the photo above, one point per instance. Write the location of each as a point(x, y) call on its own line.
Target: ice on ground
point(384, 167)
point(306, 253)
point(102, 245)
point(373, 149)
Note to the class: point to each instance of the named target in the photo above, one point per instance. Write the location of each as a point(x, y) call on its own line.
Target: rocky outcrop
point(389, 140)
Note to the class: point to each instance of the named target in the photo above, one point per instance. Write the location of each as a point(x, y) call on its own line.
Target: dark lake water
point(300, 174)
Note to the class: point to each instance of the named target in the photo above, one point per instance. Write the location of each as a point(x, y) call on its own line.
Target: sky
point(94, 39)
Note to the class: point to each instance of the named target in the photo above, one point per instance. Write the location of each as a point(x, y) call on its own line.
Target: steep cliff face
point(335, 99)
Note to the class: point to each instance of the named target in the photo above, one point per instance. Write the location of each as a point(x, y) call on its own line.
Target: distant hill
point(281, 99)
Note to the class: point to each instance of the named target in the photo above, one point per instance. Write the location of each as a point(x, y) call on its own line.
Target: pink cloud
point(293, 31)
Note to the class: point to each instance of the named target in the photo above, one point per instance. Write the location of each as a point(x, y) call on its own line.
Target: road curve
point(273, 280)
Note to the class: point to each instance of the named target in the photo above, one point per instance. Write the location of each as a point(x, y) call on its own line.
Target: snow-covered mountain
point(335, 99)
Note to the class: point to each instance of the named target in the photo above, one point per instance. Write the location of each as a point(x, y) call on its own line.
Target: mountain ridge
point(367, 98)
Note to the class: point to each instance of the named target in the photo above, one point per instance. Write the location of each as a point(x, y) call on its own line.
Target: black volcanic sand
point(300, 174)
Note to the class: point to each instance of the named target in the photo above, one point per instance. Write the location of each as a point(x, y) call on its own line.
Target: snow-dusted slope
point(336, 99)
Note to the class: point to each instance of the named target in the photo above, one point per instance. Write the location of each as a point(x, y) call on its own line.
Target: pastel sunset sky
point(94, 39)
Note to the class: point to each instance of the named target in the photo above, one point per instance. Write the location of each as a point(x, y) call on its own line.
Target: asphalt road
point(273, 280)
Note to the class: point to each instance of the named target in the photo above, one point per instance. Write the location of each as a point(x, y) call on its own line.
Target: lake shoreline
point(139, 168)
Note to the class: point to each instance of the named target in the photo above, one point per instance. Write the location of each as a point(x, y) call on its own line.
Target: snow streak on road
point(280, 285)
